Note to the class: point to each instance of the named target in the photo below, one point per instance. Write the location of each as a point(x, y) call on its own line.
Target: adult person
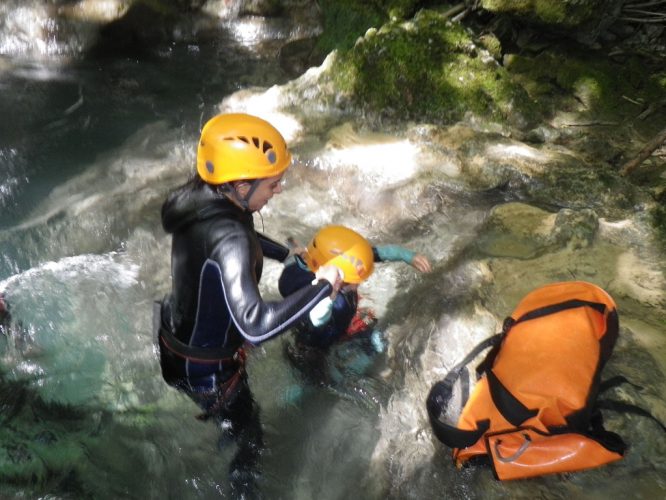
point(215, 306)
point(337, 318)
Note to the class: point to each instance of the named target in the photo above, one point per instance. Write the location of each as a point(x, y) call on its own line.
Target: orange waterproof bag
point(533, 411)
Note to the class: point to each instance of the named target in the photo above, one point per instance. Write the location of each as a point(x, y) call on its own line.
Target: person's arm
point(258, 320)
point(396, 253)
point(294, 275)
point(273, 249)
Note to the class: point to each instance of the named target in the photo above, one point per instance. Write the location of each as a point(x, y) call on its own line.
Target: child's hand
point(421, 263)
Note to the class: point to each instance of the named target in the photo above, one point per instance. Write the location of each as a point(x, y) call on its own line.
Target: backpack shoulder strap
point(621, 406)
point(440, 395)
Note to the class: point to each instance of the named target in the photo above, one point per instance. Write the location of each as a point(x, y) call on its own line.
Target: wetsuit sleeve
point(294, 276)
point(257, 320)
point(392, 253)
point(272, 249)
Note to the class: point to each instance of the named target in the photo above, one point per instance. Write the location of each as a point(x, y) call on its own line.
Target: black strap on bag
point(440, 395)
point(506, 403)
point(621, 406)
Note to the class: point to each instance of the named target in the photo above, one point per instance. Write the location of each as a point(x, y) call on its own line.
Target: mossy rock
point(430, 69)
point(597, 84)
point(567, 13)
point(344, 21)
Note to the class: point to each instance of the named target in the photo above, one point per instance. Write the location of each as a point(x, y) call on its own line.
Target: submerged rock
point(522, 231)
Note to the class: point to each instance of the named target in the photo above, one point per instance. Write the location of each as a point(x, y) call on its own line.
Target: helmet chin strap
point(254, 184)
point(231, 192)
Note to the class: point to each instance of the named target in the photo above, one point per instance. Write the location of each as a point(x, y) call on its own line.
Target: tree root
point(644, 153)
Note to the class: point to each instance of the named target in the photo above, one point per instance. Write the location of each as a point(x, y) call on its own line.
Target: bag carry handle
point(517, 454)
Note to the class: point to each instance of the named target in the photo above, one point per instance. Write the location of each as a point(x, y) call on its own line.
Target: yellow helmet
point(237, 146)
point(343, 248)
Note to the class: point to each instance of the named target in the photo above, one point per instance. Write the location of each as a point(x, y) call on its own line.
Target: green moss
point(428, 69)
point(658, 82)
point(397, 9)
point(344, 22)
point(598, 83)
point(563, 12)
point(492, 44)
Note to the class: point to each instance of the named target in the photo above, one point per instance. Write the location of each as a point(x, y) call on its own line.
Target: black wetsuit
point(215, 304)
point(215, 307)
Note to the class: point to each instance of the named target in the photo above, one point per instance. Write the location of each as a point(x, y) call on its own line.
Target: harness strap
point(197, 354)
point(224, 391)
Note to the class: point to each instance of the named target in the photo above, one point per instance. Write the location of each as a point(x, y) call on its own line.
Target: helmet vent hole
point(267, 146)
point(244, 139)
point(255, 141)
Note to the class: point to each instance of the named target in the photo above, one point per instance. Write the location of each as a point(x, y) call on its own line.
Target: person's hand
point(331, 274)
point(421, 263)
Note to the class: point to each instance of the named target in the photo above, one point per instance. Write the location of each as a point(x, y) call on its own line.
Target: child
point(337, 318)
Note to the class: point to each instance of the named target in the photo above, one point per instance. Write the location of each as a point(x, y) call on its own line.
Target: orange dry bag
point(533, 410)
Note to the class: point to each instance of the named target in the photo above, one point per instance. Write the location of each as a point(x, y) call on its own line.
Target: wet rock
point(620, 232)
point(297, 56)
point(575, 228)
point(642, 281)
point(266, 8)
point(141, 27)
point(543, 134)
point(493, 161)
point(522, 231)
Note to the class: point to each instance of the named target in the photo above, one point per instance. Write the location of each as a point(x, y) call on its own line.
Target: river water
point(89, 148)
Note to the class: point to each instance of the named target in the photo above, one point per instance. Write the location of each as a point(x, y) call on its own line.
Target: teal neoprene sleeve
point(394, 253)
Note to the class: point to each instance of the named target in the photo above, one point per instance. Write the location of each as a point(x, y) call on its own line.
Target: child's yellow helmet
point(237, 146)
point(343, 248)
